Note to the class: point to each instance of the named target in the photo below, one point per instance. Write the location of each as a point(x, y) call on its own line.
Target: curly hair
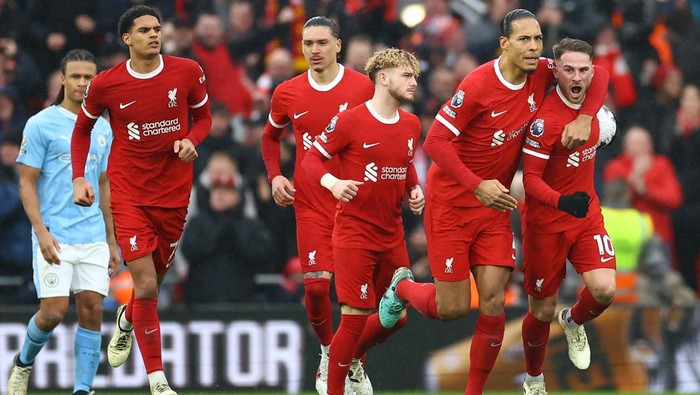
point(389, 58)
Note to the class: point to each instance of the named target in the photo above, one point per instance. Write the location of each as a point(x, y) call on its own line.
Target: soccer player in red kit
point(150, 98)
point(562, 219)
point(375, 142)
point(475, 143)
point(308, 102)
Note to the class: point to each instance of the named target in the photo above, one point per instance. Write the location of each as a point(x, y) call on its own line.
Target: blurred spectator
point(357, 51)
point(657, 106)
point(609, 56)
point(59, 26)
point(111, 54)
point(15, 229)
point(220, 138)
point(227, 80)
point(442, 84)
point(279, 67)
point(685, 154)
point(644, 273)
point(18, 70)
point(483, 36)
point(291, 288)
point(11, 118)
point(376, 18)
point(11, 20)
point(429, 37)
point(180, 43)
point(652, 178)
point(248, 40)
point(224, 248)
point(464, 65)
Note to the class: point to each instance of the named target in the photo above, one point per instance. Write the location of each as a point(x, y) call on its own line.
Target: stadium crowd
point(236, 236)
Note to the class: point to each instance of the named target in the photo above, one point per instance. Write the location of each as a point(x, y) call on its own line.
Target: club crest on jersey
point(410, 146)
point(531, 102)
point(550, 64)
point(331, 125)
point(457, 99)
point(87, 88)
point(343, 107)
point(537, 127)
point(172, 95)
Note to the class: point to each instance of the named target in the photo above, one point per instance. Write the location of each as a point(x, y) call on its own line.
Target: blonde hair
point(388, 58)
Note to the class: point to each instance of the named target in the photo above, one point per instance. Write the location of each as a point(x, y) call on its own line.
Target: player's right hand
point(491, 193)
point(346, 190)
point(575, 204)
point(83, 194)
point(49, 247)
point(282, 191)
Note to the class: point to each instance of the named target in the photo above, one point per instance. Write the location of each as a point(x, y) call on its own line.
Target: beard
point(401, 98)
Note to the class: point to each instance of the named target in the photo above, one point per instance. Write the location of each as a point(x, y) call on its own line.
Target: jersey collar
point(327, 87)
point(146, 76)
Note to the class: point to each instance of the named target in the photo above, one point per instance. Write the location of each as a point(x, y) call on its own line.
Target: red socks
point(586, 308)
point(147, 331)
point(319, 309)
point(486, 344)
point(420, 295)
point(374, 333)
point(129, 311)
point(342, 350)
point(535, 336)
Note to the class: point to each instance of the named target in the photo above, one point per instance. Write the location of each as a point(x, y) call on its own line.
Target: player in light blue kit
point(74, 247)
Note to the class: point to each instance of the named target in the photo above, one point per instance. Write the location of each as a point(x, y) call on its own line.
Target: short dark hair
point(126, 21)
point(74, 55)
point(323, 21)
point(571, 45)
point(512, 16)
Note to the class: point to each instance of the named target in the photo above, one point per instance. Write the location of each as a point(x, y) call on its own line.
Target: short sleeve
point(33, 148)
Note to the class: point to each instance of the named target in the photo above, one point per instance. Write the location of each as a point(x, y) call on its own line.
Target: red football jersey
point(550, 170)
point(309, 107)
point(148, 113)
point(489, 117)
point(378, 152)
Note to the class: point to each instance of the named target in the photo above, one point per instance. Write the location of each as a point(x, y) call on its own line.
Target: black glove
point(575, 204)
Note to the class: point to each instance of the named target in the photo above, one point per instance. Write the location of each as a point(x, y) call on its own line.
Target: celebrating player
point(375, 143)
point(475, 143)
point(562, 219)
point(149, 98)
point(309, 101)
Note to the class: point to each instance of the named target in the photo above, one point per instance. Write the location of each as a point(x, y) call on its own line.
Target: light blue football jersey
point(46, 146)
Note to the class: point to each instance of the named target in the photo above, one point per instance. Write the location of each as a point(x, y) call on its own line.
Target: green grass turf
point(102, 392)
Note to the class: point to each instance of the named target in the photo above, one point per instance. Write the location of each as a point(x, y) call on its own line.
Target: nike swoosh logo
point(344, 365)
point(494, 344)
point(603, 260)
point(534, 345)
point(149, 331)
point(123, 106)
point(496, 114)
point(297, 116)
point(365, 145)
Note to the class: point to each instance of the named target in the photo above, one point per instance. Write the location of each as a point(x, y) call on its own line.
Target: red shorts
point(145, 230)
point(544, 255)
point(362, 276)
point(314, 243)
point(461, 237)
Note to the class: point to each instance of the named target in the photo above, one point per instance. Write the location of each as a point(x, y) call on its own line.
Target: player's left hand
point(185, 150)
point(115, 260)
point(576, 132)
point(416, 200)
